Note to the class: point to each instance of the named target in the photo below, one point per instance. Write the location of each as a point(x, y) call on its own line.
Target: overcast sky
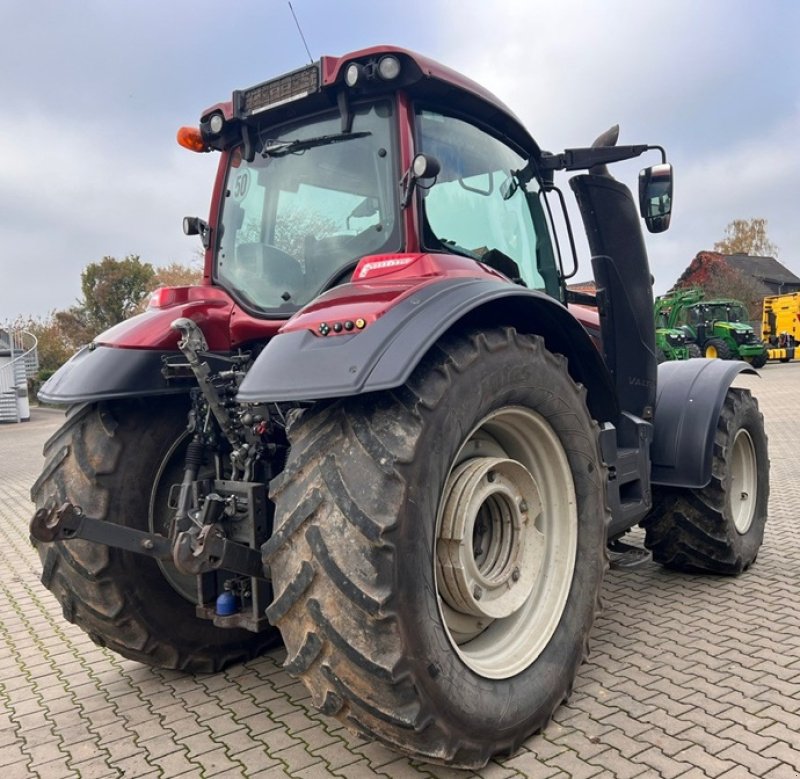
point(92, 94)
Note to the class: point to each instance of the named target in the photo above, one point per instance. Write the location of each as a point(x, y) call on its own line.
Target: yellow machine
point(780, 325)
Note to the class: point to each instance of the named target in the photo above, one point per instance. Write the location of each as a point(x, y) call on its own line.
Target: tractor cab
point(320, 169)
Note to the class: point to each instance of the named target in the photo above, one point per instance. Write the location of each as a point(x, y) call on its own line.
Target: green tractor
point(672, 343)
point(718, 327)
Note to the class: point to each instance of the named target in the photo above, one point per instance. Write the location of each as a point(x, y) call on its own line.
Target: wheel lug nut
point(490, 476)
point(523, 506)
point(477, 593)
point(515, 575)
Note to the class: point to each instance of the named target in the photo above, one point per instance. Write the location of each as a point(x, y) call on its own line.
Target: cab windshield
point(312, 203)
point(725, 312)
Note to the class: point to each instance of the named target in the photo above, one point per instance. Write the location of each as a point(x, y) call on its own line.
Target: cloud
point(89, 166)
point(570, 69)
point(72, 195)
point(715, 83)
point(756, 177)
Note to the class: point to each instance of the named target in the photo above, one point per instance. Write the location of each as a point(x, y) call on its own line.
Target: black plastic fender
point(302, 365)
point(688, 403)
point(104, 372)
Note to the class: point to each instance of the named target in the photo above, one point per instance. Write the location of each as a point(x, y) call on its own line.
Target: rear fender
point(103, 373)
point(303, 365)
point(688, 403)
point(127, 360)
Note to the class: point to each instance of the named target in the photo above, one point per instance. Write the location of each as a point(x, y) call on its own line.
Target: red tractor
point(379, 430)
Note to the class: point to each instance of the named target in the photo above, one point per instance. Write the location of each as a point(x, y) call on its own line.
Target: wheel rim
point(506, 543)
point(170, 472)
point(744, 481)
point(711, 352)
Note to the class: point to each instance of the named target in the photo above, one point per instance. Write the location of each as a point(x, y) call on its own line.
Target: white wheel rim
point(744, 481)
point(184, 584)
point(507, 537)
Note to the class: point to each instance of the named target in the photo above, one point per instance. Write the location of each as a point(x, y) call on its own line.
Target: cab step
point(625, 556)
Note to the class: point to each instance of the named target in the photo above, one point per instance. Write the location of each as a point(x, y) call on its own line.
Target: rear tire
point(116, 461)
point(371, 597)
point(718, 529)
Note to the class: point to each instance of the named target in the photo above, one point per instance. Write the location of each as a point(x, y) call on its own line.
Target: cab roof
point(423, 78)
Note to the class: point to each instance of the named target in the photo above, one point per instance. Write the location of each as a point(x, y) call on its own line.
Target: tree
point(747, 236)
point(74, 328)
point(112, 290)
point(709, 271)
point(52, 347)
point(173, 275)
point(177, 275)
point(294, 227)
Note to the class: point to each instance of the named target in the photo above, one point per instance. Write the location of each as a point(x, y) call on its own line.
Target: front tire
point(426, 546)
point(718, 529)
point(716, 348)
point(116, 461)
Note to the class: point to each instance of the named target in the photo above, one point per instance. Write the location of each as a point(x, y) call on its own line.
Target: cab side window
point(476, 205)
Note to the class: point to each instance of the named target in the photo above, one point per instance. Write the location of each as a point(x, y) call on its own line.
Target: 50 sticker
point(240, 185)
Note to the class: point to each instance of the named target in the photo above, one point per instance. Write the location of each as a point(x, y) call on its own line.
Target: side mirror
point(655, 196)
point(194, 225)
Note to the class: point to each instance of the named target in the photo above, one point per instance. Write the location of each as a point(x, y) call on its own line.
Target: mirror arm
point(407, 184)
point(663, 153)
point(423, 166)
point(345, 112)
point(205, 234)
point(248, 143)
point(582, 159)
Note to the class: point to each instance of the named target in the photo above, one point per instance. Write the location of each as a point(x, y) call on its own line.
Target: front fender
point(688, 404)
point(302, 365)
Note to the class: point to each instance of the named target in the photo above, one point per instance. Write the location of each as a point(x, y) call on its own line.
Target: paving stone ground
point(689, 676)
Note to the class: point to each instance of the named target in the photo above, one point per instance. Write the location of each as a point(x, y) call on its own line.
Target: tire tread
point(689, 529)
point(85, 464)
point(374, 690)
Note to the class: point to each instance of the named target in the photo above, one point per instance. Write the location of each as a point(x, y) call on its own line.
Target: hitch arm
point(209, 550)
point(68, 522)
point(192, 553)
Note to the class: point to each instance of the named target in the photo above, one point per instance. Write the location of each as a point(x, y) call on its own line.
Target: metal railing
point(20, 361)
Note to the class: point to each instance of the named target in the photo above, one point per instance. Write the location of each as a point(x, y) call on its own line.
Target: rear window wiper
point(274, 148)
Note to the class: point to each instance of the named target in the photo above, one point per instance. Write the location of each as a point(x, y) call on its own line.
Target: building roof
point(583, 286)
point(763, 268)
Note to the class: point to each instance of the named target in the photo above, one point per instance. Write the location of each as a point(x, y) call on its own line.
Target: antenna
point(310, 58)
